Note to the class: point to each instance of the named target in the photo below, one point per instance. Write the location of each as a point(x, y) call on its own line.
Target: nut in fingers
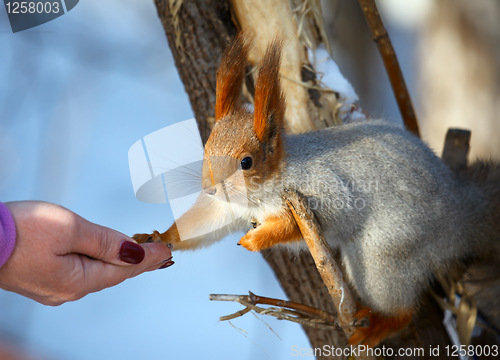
point(147, 238)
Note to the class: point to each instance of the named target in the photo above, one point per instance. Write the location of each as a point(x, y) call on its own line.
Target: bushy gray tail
point(482, 279)
point(486, 175)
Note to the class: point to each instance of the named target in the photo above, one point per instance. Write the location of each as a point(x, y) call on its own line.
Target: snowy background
point(76, 93)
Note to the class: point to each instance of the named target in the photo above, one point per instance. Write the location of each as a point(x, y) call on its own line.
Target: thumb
point(113, 247)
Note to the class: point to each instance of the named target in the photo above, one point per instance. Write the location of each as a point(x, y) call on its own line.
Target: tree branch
point(325, 262)
point(384, 45)
point(322, 254)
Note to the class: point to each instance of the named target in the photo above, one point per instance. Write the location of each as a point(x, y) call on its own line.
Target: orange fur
point(380, 328)
point(212, 179)
point(230, 77)
point(269, 99)
point(201, 215)
point(274, 230)
point(362, 312)
point(170, 238)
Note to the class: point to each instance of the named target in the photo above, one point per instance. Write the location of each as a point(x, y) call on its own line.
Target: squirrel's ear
point(231, 75)
point(269, 105)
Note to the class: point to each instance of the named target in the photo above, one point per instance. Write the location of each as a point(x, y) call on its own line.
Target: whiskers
point(183, 180)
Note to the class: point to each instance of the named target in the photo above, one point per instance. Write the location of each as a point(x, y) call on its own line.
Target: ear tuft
point(231, 75)
point(269, 109)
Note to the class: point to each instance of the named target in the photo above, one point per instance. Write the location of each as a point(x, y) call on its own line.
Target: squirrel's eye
point(246, 163)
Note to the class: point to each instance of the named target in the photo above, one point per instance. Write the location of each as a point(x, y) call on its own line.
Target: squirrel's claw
point(249, 241)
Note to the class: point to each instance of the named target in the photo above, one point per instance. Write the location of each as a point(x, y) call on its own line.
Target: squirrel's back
point(388, 202)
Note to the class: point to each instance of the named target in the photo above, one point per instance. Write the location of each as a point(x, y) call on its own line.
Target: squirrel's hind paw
point(380, 328)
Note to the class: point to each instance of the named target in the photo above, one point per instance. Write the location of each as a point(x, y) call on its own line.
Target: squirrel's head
point(241, 140)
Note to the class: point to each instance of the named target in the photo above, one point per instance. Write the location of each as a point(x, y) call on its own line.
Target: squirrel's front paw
point(145, 238)
point(251, 241)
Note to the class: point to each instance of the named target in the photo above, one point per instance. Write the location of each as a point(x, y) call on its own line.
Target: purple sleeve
point(7, 234)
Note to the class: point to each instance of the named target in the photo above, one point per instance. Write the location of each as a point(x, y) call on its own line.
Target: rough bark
point(198, 32)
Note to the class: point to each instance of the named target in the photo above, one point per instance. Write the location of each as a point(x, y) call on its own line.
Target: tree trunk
point(197, 32)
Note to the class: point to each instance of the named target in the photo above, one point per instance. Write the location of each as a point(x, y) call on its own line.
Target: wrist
point(7, 234)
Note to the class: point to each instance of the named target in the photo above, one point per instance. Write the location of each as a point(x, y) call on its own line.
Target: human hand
point(59, 256)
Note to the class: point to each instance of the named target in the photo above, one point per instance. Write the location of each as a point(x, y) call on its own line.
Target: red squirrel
point(393, 209)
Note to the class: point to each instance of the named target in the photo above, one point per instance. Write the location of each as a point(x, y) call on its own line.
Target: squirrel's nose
point(210, 191)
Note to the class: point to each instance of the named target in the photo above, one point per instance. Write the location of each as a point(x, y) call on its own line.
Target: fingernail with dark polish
point(131, 253)
point(166, 265)
point(170, 258)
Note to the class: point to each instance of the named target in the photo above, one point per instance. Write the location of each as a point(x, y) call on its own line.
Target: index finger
point(100, 275)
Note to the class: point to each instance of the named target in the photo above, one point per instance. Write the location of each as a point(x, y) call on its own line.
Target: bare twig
point(235, 315)
point(308, 310)
point(381, 38)
point(301, 314)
